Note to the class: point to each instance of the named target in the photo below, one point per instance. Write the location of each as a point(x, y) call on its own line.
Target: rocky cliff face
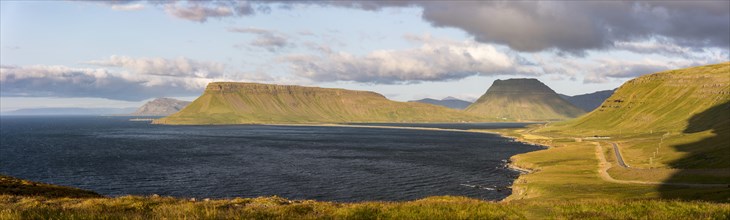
point(523, 100)
point(253, 103)
point(161, 107)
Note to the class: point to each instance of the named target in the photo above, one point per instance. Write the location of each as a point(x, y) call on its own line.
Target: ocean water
point(114, 156)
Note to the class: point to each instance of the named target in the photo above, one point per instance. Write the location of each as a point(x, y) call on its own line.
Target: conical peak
point(523, 85)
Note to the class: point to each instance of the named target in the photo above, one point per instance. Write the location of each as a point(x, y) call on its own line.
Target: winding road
point(619, 158)
point(604, 165)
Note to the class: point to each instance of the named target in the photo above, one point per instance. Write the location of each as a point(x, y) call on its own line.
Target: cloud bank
point(181, 66)
point(435, 60)
point(62, 81)
point(120, 78)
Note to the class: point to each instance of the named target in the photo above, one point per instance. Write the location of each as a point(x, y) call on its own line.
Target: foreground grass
point(446, 207)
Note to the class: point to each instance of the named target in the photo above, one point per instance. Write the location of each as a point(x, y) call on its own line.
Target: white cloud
point(653, 47)
point(200, 11)
point(267, 39)
point(180, 66)
point(435, 60)
point(128, 7)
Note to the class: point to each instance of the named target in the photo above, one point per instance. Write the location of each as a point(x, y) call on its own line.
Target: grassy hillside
point(660, 102)
point(251, 103)
point(671, 119)
point(523, 100)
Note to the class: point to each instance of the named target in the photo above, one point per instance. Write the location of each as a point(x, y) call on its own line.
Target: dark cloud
point(581, 25)
point(572, 26)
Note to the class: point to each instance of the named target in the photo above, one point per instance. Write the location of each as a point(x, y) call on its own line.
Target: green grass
point(250, 103)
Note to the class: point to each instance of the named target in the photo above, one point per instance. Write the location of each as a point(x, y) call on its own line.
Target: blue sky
point(119, 54)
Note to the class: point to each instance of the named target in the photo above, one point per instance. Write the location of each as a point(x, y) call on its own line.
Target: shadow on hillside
point(712, 152)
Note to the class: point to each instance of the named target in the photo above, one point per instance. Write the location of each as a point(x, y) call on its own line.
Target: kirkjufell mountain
point(523, 100)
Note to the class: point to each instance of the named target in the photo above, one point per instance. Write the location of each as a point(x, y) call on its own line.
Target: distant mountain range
point(449, 102)
point(253, 103)
point(70, 111)
point(523, 100)
point(160, 107)
point(588, 102)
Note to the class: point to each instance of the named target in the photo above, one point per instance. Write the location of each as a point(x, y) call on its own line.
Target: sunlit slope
point(661, 102)
point(672, 119)
point(523, 100)
point(252, 103)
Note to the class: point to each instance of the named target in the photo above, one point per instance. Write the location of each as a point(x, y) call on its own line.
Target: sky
point(123, 53)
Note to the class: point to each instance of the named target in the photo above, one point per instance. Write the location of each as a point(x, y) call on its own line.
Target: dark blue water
point(114, 156)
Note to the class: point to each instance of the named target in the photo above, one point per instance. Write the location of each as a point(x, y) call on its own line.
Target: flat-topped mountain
point(523, 100)
point(253, 103)
point(449, 102)
point(161, 107)
point(588, 102)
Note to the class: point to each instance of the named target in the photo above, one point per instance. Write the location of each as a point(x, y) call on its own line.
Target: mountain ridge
point(255, 103)
point(449, 102)
point(589, 101)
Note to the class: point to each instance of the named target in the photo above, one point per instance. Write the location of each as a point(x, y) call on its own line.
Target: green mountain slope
point(659, 102)
point(252, 103)
point(523, 100)
point(675, 119)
